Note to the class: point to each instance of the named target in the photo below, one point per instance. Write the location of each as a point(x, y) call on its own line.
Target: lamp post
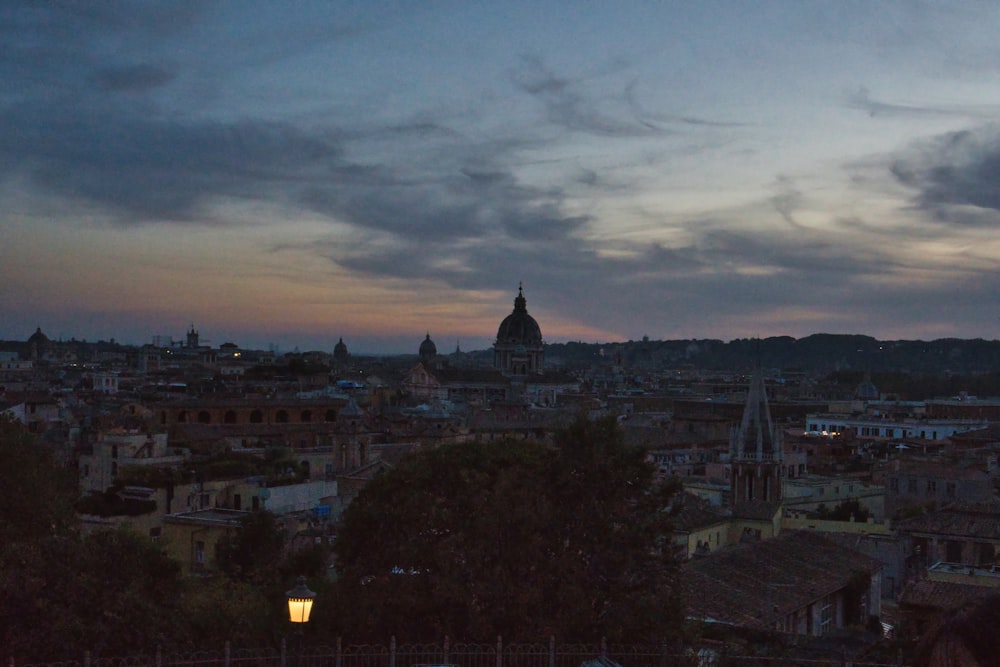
point(300, 602)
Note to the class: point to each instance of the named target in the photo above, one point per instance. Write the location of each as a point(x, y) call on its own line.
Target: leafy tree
point(39, 493)
point(112, 593)
point(513, 538)
point(254, 552)
point(844, 511)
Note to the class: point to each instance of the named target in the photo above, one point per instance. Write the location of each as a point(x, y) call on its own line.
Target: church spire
point(756, 438)
point(755, 450)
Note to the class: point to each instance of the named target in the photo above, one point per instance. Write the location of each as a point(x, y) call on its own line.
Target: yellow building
point(192, 537)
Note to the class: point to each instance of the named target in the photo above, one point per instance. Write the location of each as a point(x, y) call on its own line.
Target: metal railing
point(447, 654)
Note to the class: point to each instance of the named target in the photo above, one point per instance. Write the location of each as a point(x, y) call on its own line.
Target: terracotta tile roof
point(693, 513)
point(751, 584)
point(943, 595)
point(757, 510)
point(967, 520)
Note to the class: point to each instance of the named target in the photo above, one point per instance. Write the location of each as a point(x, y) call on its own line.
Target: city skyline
point(380, 171)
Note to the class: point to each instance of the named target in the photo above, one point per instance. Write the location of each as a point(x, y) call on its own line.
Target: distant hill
point(818, 353)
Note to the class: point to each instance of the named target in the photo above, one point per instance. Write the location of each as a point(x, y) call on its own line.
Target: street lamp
point(300, 602)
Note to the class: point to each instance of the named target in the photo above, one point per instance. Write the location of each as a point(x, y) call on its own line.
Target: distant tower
point(192, 338)
point(518, 349)
point(755, 449)
point(340, 354)
point(428, 350)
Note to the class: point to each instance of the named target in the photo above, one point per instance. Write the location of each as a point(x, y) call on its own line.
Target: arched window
point(182, 416)
point(230, 417)
point(331, 416)
point(256, 417)
point(281, 417)
point(204, 417)
point(306, 416)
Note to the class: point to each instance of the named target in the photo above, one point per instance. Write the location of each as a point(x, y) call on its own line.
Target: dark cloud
point(148, 170)
point(955, 175)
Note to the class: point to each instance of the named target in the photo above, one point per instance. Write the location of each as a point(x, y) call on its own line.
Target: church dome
point(38, 338)
point(519, 328)
point(427, 348)
point(340, 351)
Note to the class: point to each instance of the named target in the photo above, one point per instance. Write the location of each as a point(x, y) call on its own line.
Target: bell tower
point(755, 451)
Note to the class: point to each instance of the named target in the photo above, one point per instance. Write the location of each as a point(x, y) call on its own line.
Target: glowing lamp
point(300, 602)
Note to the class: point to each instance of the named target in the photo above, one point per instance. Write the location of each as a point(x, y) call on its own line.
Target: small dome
point(519, 327)
point(340, 351)
point(427, 348)
point(38, 337)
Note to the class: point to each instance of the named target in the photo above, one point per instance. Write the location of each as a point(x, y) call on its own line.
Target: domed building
point(38, 345)
point(340, 354)
point(428, 350)
point(518, 349)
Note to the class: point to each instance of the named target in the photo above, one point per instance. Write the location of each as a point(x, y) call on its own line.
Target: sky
point(291, 173)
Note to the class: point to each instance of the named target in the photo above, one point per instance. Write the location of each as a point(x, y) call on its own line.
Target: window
point(931, 487)
point(826, 610)
point(894, 485)
point(950, 489)
point(199, 555)
point(911, 486)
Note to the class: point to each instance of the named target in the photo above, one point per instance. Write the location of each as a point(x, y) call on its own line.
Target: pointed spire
point(756, 438)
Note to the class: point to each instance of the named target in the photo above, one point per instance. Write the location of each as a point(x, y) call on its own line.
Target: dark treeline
point(818, 354)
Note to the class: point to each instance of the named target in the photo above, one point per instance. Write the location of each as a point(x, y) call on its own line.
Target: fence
point(294, 653)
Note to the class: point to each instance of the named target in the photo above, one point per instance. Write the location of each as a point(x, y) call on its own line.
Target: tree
point(510, 538)
point(39, 493)
point(112, 593)
point(254, 552)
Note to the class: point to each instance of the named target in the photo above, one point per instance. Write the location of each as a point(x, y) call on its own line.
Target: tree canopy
point(511, 538)
point(38, 492)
